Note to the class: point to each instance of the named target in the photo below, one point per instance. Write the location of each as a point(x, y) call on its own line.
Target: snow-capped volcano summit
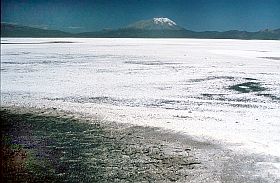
point(164, 21)
point(155, 24)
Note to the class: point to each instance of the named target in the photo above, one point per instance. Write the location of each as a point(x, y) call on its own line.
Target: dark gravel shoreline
point(67, 150)
point(53, 146)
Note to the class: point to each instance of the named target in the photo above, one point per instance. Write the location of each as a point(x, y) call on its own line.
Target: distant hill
point(138, 33)
point(12, 30)
point(152, 28)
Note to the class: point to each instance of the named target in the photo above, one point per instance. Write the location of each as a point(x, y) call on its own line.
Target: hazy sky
point(91, 15)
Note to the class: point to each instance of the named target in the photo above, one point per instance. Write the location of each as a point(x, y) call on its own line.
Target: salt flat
point(225, 91)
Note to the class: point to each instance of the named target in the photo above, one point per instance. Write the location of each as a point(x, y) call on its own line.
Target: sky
point(94, 15)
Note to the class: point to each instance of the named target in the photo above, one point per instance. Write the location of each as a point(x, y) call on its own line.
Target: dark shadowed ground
point(40, 146)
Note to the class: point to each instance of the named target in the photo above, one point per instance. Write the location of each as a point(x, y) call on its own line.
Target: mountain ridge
point(13, 30)
point(151, 28)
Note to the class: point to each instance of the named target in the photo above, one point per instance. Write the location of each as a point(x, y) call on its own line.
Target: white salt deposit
point(185, 85)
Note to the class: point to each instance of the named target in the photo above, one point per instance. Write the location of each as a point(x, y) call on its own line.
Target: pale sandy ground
point(166, 156)
point(176, 85)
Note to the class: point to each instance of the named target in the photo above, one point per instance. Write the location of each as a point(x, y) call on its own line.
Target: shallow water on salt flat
point(224, 90)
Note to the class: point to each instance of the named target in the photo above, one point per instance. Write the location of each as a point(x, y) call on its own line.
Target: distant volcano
point(152, 28)
point(155, 24)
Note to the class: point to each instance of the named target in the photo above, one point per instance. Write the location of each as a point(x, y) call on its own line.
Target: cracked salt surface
point(226, 91)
